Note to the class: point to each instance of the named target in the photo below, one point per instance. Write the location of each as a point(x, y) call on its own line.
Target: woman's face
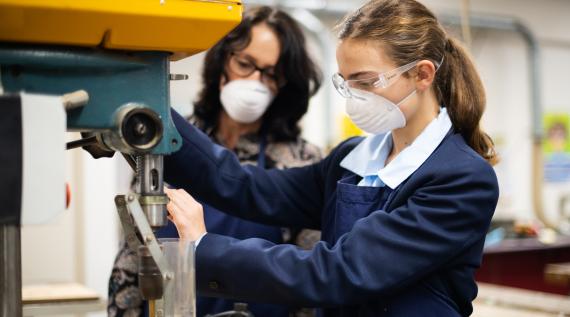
point(363, 59)
point(262, 53)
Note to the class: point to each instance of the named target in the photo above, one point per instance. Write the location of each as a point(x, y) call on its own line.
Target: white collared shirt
point(368, 159)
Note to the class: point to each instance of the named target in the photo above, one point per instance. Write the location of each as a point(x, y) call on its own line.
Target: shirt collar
point(369, 157)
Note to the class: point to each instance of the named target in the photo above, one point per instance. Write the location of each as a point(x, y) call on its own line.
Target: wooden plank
point(521, 299)
point(64, 308)
point(557, 273)
point(485, 310)
point(54, 293)
point(526, 245)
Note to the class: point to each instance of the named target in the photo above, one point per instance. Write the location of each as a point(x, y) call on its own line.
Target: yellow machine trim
point(184, 27)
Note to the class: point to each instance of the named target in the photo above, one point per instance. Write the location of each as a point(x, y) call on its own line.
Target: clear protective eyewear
point(383, 80)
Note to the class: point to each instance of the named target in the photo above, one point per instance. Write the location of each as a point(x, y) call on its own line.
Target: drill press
point(114, 55)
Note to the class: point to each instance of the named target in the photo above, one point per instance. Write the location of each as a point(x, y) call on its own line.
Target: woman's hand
point(186, 214)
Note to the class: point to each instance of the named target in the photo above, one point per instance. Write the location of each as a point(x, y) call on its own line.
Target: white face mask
point(245, 101)
point(373, 113)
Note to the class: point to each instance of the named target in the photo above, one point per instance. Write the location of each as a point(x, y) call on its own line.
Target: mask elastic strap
point(413, 92)
point(406, 98)
point(439, 64)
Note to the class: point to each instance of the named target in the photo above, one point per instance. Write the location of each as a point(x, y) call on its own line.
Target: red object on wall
point(522, 262)
point(67, 195)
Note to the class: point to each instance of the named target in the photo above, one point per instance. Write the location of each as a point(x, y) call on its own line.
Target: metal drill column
point(10, 272)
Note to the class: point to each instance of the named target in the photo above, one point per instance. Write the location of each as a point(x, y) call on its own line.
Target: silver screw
point(140, 129)
point(130, 198)
point(148, 238)
point(179, 76)
point(230, 8)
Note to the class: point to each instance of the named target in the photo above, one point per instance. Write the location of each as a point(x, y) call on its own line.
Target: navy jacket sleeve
point(214, 175)
point(382, 254)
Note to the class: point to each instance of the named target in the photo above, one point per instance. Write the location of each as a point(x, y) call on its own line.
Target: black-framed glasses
point(243, 67)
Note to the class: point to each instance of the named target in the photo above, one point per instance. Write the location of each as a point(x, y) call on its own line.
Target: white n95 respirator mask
point(245, 101)
point(373, 113)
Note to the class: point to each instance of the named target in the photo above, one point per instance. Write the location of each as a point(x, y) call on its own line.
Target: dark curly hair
point(302, 78)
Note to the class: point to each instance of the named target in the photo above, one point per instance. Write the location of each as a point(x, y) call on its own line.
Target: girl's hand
point(186, 214)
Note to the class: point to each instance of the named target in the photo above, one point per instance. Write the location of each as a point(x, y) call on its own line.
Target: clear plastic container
point(180, 292)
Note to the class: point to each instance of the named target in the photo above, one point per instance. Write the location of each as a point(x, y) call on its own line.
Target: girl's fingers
point(181, 198)
point(173, 210)
point(184, 196)
point(171, 193)
point(180, 205)
point(186, 213)
point(174, 197)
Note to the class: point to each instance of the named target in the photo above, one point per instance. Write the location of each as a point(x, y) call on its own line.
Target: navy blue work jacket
point(224, 224)
point(413, 256)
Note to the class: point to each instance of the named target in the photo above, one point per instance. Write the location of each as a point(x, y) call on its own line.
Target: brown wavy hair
point(301, 76)
point(409, 31)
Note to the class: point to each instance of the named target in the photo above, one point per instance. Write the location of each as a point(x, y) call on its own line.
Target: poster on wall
point(557, 147)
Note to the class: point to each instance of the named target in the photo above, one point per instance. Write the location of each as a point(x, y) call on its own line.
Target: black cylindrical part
point(150, 279)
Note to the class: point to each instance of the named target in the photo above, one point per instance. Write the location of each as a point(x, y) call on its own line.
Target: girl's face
point(258, 60)
point(365, 60)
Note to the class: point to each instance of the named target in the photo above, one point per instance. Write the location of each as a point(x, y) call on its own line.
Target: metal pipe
point(315, 6)
point(319, 32)
point(465, 25)
point(477, 21)
point(511, 24)
point(537, 168)
point(74, 100)
point(10, 271)
point(303, 12)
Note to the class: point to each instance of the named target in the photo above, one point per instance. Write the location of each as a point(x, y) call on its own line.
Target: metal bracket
point(149, 239)
point(127, 223)
point(131, 206)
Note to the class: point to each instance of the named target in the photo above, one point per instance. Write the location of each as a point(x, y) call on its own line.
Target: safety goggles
point(382, 80)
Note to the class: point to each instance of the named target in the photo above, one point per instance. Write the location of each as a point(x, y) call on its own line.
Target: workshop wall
point(81, 244)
